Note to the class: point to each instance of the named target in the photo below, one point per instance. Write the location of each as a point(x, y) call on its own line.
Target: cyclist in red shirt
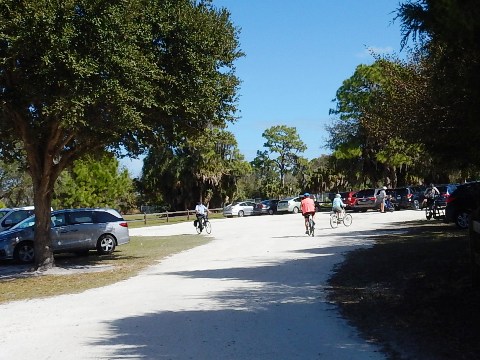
point(308, 208)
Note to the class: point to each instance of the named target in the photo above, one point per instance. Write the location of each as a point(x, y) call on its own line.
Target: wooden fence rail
point(166, 216)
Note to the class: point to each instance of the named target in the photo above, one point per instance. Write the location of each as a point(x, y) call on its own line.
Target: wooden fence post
point(167, 215)
point(145, 218)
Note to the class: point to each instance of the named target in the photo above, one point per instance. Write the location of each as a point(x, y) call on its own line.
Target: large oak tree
point(81, 76)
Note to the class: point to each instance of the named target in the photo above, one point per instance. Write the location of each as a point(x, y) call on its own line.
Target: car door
point(77, 231)
point(248, 207)
point(59, 232)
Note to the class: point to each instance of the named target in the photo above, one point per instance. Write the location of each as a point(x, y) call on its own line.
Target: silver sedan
point(239, 208)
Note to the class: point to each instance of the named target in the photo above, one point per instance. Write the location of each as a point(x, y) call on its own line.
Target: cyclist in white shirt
point(201, 212)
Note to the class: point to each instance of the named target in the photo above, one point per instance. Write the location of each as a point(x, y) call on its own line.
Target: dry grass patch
point(127, 261)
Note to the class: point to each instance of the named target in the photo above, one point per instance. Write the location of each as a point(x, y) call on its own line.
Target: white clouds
point(375, 50)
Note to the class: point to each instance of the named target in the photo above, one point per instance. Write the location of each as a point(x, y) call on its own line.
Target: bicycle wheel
point(347, 220)
point(333, 221)
point(311, 227)
point(208, 227)
point(428, 213)
point(198, 229)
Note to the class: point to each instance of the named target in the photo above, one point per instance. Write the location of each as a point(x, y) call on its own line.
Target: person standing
point(308, 208)
point(381, 198)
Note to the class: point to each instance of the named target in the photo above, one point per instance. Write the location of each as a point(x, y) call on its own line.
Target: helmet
point(338, 195)
point(306, 194)
point(384, 188)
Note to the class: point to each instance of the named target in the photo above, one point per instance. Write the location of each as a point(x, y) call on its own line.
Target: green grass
point(127, 261)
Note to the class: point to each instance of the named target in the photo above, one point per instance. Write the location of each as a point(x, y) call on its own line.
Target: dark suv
point(445, 191)
point(266, 207)
point(404, 198)
point(418, 194)
point(366, 199)
point(461, 202)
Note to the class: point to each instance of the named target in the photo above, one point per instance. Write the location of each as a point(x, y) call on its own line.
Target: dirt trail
point(257, 291)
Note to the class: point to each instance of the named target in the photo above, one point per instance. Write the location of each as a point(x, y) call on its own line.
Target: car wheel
point(295, 210)
point(270, 211)
point(241, 213)
point(24, 252)
point(106, 244)
point(462, 220)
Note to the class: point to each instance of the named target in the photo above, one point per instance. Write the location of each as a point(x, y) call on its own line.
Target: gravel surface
point(256, 291)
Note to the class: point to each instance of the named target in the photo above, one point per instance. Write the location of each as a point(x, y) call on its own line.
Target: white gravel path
point(256, 291)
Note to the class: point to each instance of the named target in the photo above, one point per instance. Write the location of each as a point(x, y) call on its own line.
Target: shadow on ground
point(268, 317)
point(413, 293)
point(276, 307)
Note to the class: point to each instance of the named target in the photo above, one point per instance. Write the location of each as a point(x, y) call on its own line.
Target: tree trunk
point(44, 172)
point(42, 241)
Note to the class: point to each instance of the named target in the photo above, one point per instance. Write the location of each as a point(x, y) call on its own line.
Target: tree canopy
point(284, 147)
point(206, 168)
point(81, 76)
point(95, 182)
point(448, 32)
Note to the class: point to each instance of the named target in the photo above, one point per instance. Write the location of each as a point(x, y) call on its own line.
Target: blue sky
point(297, 56)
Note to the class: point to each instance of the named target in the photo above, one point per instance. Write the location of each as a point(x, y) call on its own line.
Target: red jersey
point(308, 206)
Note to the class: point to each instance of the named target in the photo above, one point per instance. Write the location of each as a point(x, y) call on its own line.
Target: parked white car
point(291, 205)
point(239, 208)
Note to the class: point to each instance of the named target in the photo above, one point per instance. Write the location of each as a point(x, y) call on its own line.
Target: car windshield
point(401, 191)
point(442, 188)
point(451, 188)
point(28, 222)
point(364, 193)
point(3, 212)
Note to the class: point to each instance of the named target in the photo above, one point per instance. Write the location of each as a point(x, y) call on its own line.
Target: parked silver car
point(72, 230)
point(291, 204)
point(239, 208)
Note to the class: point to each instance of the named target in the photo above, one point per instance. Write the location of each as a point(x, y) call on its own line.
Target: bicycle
point(389, 204)
point(434, 210)
point(311, 226)
point(203, 223)
point(346, 219)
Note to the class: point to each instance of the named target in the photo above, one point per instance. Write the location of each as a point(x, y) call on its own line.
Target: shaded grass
point(127, 261)
point(412, 293)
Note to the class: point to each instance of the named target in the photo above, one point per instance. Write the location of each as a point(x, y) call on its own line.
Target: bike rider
point(201, 212)
point(430, 194)
point(308, 208)
point(338, 205)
